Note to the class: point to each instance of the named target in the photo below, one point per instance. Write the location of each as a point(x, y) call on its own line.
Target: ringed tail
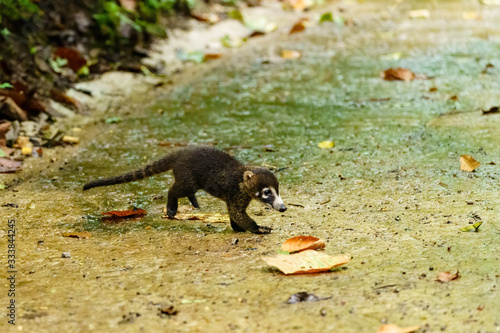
point(154, 168)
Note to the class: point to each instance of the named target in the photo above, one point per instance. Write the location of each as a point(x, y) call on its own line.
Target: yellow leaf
point(391, 328)
point(300, 243)
point(326, 144)
point(468, 163)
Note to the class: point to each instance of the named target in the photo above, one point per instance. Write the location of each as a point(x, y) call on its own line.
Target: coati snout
point(264, 186)
point(217, 173)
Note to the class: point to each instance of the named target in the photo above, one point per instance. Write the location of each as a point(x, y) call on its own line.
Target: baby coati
point(218, 174)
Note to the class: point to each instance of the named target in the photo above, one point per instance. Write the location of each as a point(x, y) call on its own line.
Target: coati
point(217, 173)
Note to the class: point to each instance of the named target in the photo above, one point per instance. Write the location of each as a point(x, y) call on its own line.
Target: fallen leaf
point(27, 151)
point(172, 144)
point(401, 74)
point(62, 98)
point(472, 228)
point(447, 276)
point(231, 42)
point(433, 89)
point(471, 16)
point(208, 218)
point(300, 243)
point(392, 328)
point(7, 165)
point(113, 120)
point(290, 54)
point(492, 110)
point(299, 26)
point(81, 234)
point(75, 60)
point(326, 17)
point(419, 13)
point(117, 214)
point(454, 98)
point(70, 139)
point(468, 163)
point(303, 297)
point(128, 4)
point(326, 144)
point(308, 261)
point(10, 109)
point(211, 18)
point(211, 56)
point(4, 128)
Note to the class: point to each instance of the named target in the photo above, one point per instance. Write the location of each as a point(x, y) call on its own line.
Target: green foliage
point(17, 9)
point(5, 85)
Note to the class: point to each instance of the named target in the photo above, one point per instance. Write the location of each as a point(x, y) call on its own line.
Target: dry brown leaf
point(308, 261)
point(395, 74)
point(433, 89)
point(447, 276)
point(299, 26)
point(290, 54)
point(74, 58)
point(300, 243)
point(61, 97)
point(4, 128)
point(392, 328)
point(7, 165)
point(81, 234)
point(468, 163)
point(117, 214)
point(11, 110)
point(211, 56)
point(23, 141)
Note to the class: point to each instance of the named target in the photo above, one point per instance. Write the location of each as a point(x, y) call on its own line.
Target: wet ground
point(390, 193)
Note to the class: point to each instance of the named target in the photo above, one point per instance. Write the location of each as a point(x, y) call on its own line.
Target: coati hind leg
point(194, 201)
point(176, 191)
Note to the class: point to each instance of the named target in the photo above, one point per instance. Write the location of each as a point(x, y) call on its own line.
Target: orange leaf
point(211, 56)
point(401, 74)
point(447, 276)
point(75, 59)
point(300, 243)
point(116, 214)
point(391, 328)
point(467, 163)
point(299, 26)
point(82, 234)
point(308, 261)
point(290, 54)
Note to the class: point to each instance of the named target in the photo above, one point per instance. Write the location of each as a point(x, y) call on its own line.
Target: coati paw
point(263, 230)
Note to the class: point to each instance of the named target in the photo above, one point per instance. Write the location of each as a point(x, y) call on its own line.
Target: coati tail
point(154, 168)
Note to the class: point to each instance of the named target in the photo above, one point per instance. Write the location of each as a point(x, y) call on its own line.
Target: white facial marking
point(256, 194)
point(277, 200)
point(263, 191)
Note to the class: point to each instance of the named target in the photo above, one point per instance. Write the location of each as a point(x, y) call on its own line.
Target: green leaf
point(472, 228)
point(235, 15)
point(2, 186)
point(5, 85)
point(5, 32)
point(2, 153)
point(326, 17)
point(83, 71)
point(113, 120)
point(195, 56)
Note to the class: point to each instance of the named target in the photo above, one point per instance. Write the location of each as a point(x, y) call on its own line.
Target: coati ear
point(249, 178)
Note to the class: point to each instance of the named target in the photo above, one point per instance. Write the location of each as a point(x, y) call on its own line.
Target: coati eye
point(267, 192)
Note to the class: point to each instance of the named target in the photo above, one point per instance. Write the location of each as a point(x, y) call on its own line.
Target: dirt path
point(391, 193)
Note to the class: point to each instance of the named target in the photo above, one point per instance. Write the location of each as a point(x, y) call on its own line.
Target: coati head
point(264, 187)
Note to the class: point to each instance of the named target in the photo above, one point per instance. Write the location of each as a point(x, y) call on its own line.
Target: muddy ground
point(391, 192)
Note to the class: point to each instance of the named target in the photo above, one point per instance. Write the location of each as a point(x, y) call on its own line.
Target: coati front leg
point(240, 221)
point(176, 191)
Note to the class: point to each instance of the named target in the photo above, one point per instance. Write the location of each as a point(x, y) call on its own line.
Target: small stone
point(66, 255)
point(234, 241)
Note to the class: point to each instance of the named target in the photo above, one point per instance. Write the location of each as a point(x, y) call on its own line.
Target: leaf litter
point(124, 214)
point(392, 328)
point(447, 276)
point(301, 243)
